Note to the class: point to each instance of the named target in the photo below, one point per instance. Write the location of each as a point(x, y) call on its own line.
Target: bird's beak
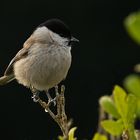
point(73, 39)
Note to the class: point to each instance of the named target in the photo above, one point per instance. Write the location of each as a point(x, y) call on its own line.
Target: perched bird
point(45, 58)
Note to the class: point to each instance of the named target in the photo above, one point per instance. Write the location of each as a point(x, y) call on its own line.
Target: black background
point(105, 55)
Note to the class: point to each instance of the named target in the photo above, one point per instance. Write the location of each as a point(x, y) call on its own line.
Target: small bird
point(44, 60)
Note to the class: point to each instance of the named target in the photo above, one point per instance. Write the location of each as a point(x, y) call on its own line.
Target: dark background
point(104, 57)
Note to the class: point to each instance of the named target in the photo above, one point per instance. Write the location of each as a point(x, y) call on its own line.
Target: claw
point(35, 98)
point(35, 92)
point(50, 100)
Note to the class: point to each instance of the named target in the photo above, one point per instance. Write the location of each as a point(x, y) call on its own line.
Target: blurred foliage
point(132, 84)
point(124, 108)
point(113, 127)
point(98, 136)
point(132, 25)
point(125, 105)
point(108, 105)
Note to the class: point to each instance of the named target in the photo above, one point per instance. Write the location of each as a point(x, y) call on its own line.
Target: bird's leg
point(35, 96)
point(56, 91)
point(50, 99)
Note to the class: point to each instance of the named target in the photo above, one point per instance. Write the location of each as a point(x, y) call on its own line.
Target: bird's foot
point(35, 92)
point(35, 97)
point(50, 99)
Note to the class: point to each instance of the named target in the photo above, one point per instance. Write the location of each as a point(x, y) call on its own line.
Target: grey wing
point(21, 54)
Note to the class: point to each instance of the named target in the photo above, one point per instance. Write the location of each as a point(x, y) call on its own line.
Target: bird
point(44, 60)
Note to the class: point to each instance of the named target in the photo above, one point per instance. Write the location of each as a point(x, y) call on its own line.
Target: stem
point(60, 118)
point(102, 116)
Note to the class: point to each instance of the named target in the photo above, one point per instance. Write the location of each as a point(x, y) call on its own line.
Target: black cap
point(57, 26)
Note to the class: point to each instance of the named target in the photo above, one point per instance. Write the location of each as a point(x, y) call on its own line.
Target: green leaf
point(120, 101)
point(126, 105)
point(60, 138)
point(113, 127)
point(132, 84)
point(132, 25)
point(98, 136)
point(108, 105)
point(71, 133)
point(132, 106)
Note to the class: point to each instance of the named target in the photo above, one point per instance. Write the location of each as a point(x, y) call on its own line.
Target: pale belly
point(43, 69)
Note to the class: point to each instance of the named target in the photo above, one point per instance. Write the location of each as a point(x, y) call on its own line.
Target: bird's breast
point(44, 67)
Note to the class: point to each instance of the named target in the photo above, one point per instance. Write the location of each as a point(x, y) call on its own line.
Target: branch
point(60, 118)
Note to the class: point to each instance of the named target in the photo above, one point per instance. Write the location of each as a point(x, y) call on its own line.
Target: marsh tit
point(45, 58)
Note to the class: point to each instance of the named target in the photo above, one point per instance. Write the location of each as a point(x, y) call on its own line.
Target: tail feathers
point(6, 79)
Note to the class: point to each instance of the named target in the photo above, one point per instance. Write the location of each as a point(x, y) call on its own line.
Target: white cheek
point(42, 34)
